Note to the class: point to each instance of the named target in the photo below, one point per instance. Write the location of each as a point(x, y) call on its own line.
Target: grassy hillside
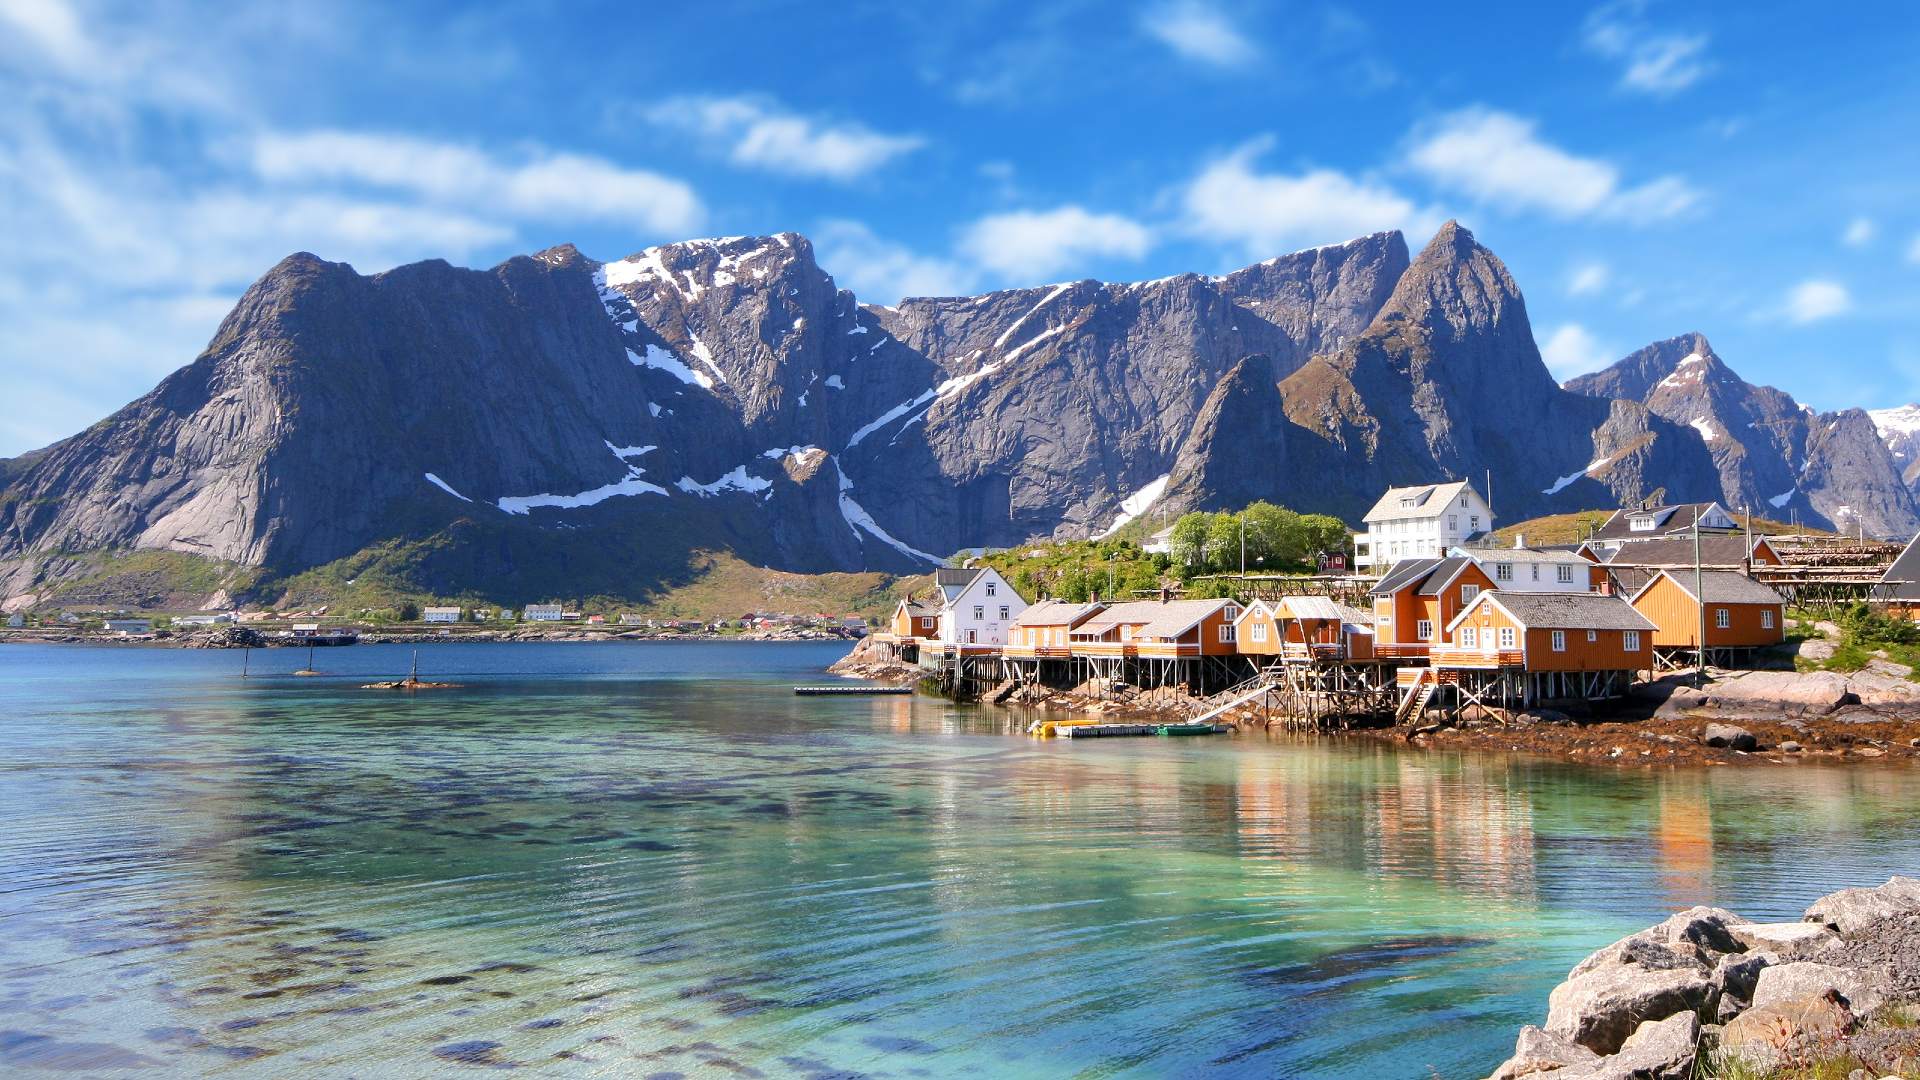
point(1575, 527)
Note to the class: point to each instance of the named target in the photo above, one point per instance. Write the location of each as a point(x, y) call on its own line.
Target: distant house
point(441, 614)
point(1525, 569)
point(1158, 629)
point(129, 626)
point(977, 606)
point(203, 620)
point(1741, 613)
point(544, 613)
point(506, 614)
point(597, 620)
point(1160, 543)
point(16, 620)
point(1044, 629)
point(1656, 521)
point(1420, 522)
point(1418, 598)
point(629, 618)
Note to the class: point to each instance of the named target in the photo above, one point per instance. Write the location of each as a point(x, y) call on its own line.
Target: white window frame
point(1722, 619)
point(1630, 640)
point(1593, 636)
point(1559, 641)
point(1423, 629)
point(1565, 573)
point(1259, 631)
point(1469, 637)
point(1003, 610)
point(990, 588)
point(1766, 618)
point(1503, 571)
point(1226, 633)
point(1507, 637)
point(1467, 593)
point(979, 612)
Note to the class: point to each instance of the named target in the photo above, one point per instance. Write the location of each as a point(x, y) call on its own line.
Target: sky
point(1645, 169)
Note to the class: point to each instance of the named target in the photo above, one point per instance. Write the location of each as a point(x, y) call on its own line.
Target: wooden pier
point(809, 691)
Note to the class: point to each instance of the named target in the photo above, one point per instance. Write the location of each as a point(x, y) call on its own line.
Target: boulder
point(1814, 649)
point(1730, 737)
point(1737, 973)
point(1883, 687)
point(1812, 692)
point(1851, 909)
point(1765, 1035)
point(1787, 941)
point(1861, 991)
point(1657, 1050)
point(1602, 1007)
point(1790, 747)
point(1538, 1052)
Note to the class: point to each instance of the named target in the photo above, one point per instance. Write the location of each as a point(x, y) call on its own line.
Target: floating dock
point(808, 690)
point(1109, 731)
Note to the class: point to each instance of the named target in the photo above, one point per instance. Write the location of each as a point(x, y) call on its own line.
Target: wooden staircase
point(1418, 695)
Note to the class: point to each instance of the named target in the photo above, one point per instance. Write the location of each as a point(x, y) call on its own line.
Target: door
point(972, 637)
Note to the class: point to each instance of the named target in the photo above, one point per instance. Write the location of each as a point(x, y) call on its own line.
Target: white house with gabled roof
point(1420, 522)
point(977, 606)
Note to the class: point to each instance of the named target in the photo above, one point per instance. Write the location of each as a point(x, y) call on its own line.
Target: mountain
point(1771, 453)
point(560, 426)
point(1899, 428)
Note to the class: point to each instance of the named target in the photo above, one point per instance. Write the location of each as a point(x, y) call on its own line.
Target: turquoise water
point(653, 859)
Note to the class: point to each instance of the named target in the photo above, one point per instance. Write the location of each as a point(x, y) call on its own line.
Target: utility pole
point(1700, 597)
point(1243, 546)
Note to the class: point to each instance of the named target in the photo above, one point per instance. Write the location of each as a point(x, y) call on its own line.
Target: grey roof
point(1404, 573)
point(954, 580)
point(1531, 554)
point(1156, 618)
point(915, 606)
point(1055, 613)
point(1716, 549)
point(1902, 579)
point(1666, 519)
point(1429, 500)
point(1568, 611)
point(1442, 575)
point(1725, 587)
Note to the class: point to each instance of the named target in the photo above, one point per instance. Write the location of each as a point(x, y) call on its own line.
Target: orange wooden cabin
point(913, 620)
point(1741, 612)
point(1303, 627)
point(1159, 629)
point(1044, 630)
point(1419, 598)
point(1548, 632)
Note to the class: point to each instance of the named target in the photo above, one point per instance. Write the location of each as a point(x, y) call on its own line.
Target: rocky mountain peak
point(1456, 287)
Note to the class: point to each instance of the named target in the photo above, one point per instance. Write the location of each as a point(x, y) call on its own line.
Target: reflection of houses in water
point(1683, 843)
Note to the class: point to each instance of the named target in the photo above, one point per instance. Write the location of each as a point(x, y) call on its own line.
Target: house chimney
point(1164, 594)
point(1519, 540)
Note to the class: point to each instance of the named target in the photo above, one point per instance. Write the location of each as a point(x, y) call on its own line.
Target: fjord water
point(627, 860)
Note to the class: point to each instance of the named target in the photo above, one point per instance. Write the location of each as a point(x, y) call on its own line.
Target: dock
point(864, 690)
point(1109, 731)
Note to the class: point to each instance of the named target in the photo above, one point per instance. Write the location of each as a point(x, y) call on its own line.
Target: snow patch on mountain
point(630, 484)
point(737, 479)
point(1783, 498)
point(1562, 483)
point(444, 486)
point(1136, 504)
point(858, 519)
point(661, 360)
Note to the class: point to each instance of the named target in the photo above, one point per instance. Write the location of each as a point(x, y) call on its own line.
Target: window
point(1565, 574)
point(1463, 502)
point(1630, 640)
point(1559, 641)
point(1535, 567)
point(1469, 638)
point(1593, 636)
point(1126, 633)
point(979, 611)
point(1474, 522)
point(1503, 571)
point(1453, 523)
point(1226, 633)
point(1722, 618)
point(1506, 637)
point(1259, 631)
point(1766, 618)
point(1467, 593)
point(1232, 613)
point(1003, 611)
point(1640, 523)
point(989, 588)
point(1424, 629)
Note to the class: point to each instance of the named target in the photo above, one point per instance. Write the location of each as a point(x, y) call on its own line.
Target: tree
point(1324, 533)
point(408, 611)
point(1273, 535)
point(1188, 540)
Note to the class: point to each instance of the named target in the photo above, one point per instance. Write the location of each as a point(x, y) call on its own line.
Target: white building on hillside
point(543, 612)
point(977, 606)
point(441, 614)
point(1420, 523)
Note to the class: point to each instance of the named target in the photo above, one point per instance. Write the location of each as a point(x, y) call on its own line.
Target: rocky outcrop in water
point(1707, 986)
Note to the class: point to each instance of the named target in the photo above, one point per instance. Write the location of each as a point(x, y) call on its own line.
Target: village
point(1438, 624)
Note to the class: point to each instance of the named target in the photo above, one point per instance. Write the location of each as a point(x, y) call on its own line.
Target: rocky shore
point(247, 637)
point(1707, 994)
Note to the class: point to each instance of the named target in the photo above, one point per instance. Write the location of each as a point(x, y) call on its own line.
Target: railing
point(1476, 658)
point(1318, 650)
point(1160, 649)
point(1393, 649)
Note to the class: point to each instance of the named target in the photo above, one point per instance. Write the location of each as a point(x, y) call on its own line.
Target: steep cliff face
point(1899, 428)
point(561, 422)
point(1771, 454)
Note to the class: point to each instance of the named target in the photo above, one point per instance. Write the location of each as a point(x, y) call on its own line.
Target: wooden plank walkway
point(1108, 731)
point(808, 690)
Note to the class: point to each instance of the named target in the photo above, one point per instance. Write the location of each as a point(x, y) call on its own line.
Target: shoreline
point(203, 640)
point(1743, 718)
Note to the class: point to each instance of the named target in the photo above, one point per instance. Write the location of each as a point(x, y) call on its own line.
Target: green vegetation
point(1576, 527)
point(1277, 541)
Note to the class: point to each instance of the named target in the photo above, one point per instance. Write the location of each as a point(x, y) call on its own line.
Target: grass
point(1577, 526)
point(1865, 636)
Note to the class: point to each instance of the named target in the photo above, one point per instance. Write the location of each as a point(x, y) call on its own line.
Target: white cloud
point(541, 185)
point(1198, 31)
point(881, 271)
point(1654, 61)
point(1588, 278)
point(1037, 244)
point(1811, 301)
point(1497, 158)
point(1272, 213)
point(1860, 232)
point(761, 135)
point(1573, 350)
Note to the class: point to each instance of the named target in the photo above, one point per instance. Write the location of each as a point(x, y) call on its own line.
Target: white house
point(977, 606)
point(129, 626)
point(1420, 523)
point(441, 614)
point(543, 613)
point(1524, 569)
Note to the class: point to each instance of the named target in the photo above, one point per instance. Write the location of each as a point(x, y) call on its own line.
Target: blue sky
point(1645, 169)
